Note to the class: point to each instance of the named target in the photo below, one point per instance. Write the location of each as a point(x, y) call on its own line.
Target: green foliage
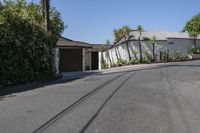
point(178, 56)
point(134, 52)
point(195, 50)
point(133, 61)
point(139, 29)
point(164, 56)
point(26, 50)
point(193, 25)
point(146, 60)
point(121, 32)
point(121, 62)
point(33, 13)
point(148, 57)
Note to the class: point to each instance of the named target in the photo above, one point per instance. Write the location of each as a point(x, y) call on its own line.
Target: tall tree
point(46, 13)
point(153, 43)
point(126, 34)
point(116, 36)
point(116, 39)
point(140, 29)
point(193, 27)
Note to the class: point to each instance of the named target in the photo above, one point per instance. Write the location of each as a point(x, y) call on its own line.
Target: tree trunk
point(108, 54)
point(119, 53)
point(140, 47)
point(154, 58)
point(127, 47)
point(116, 54)
point(46, 10)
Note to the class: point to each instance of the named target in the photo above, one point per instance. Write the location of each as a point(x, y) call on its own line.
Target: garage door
point(70, 60)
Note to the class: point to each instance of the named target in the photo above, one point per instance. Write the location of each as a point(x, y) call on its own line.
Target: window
point(171, 43)
point(146, 38)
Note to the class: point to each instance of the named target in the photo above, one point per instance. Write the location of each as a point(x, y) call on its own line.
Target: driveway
point(159, 98)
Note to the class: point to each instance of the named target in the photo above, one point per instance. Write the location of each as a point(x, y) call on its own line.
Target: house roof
point(65, 42)
point(160, 36)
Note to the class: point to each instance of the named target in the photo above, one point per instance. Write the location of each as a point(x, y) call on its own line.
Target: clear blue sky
point(94, 20)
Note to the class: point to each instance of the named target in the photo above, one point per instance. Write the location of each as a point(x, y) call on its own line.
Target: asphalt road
point(159, 99)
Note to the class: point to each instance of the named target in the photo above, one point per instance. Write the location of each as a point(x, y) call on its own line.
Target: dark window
point(146, 39)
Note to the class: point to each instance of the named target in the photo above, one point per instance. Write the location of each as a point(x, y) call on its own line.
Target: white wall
point(182, 45)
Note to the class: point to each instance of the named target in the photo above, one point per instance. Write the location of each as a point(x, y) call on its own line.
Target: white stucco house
point(171, 41)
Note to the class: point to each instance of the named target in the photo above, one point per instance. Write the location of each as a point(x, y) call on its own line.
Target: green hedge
point(25, 51)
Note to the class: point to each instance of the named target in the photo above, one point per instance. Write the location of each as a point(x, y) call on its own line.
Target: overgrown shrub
point(195, 50)
point(133, 61)
point(121, 62)
point(164, 56)
point(26, 50)
point(134, 52)
point(178, 56)
point(146, 60)
point(148, 57)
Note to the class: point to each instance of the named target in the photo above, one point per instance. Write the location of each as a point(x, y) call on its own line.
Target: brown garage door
point(70, 60)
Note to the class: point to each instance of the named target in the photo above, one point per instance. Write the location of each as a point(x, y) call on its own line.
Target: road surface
point(158, 99)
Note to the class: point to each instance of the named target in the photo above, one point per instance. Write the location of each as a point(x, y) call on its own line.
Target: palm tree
point(46, 12)
point(140, 29)
point(116, 39)
point(116, 35)
point(126, 35)
point(153, 42)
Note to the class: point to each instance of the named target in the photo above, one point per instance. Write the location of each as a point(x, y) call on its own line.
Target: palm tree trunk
point(108, 54)
point(127, 47)
point(154, 58)
point(119, 53)
point(116, 54)
point(140, 47)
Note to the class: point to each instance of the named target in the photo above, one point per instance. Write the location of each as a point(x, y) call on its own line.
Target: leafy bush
point(26, 50)
point(134, 52)
point(148, 57)
point(105, 66)
point(146, 60)
point(134, 61)
point(121, 62)
point(178, 56)
point(195, 50)
point(165, 57)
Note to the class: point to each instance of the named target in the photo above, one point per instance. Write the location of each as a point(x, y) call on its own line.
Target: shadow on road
point(65, 79)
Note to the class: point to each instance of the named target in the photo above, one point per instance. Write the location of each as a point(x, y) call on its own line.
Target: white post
point(83, 60)
point(100, 60)
point(56, 60)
